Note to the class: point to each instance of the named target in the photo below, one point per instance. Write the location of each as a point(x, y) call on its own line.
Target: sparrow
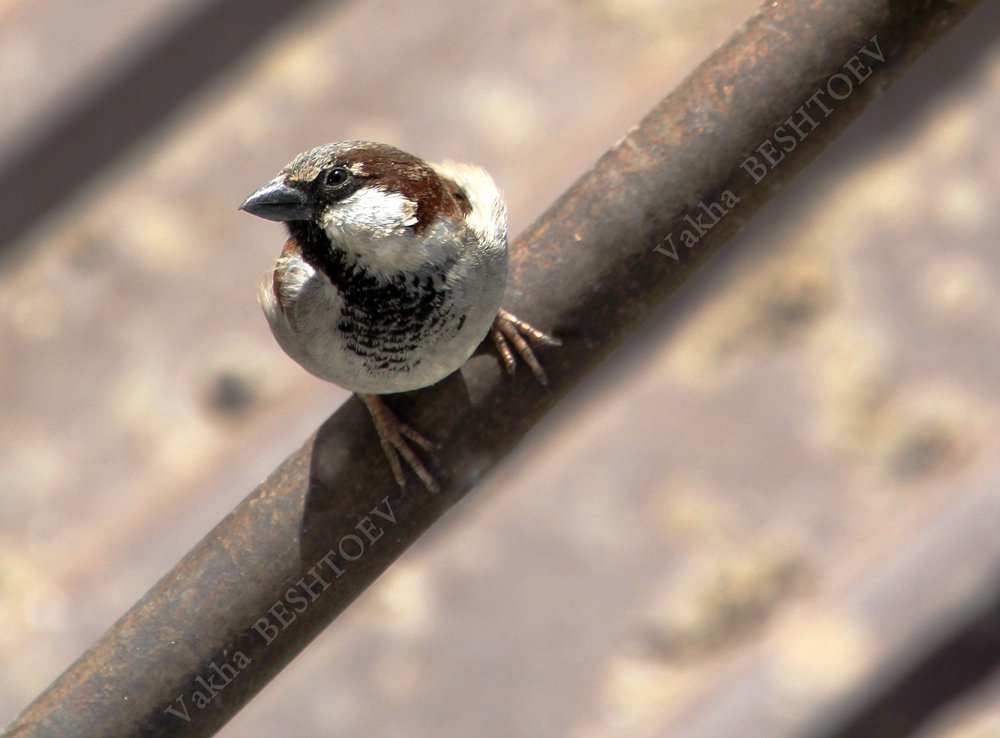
point(391, 277)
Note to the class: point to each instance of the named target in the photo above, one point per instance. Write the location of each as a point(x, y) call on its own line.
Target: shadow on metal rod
point(261, 585)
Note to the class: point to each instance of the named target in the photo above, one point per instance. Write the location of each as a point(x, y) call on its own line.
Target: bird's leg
point(395, 437)
point(509, 328)
point(507, 331)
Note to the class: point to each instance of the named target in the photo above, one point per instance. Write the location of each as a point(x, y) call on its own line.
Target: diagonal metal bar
point(261, 585)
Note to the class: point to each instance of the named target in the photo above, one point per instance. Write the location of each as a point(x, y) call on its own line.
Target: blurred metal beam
point(960, 653)
point(139, 95)
point(329, 520)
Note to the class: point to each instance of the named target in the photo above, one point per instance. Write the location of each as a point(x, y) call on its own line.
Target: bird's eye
point(336, 177)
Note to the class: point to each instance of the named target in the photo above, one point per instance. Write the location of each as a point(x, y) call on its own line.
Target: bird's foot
point(509, 330)
point(395, 437)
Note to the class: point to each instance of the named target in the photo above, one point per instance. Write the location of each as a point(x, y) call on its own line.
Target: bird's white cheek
point(369, 213)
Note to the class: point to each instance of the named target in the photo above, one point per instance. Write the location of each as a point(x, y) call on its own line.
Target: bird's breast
point(379, 335)
point(392, 323)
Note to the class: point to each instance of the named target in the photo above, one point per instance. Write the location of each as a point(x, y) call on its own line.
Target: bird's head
point(363, 197)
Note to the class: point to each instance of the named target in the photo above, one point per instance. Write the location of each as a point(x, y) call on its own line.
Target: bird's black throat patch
point(383, 320)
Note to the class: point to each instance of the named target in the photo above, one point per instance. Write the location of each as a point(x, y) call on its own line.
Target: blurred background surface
point(782, 481)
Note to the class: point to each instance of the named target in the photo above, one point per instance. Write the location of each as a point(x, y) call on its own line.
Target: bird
point(391, 276)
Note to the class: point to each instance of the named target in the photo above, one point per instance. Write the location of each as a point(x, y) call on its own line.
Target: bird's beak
point(278, 201)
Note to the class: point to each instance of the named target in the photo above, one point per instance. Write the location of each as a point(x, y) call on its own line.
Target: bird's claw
point(509, 330)
point(395, 436)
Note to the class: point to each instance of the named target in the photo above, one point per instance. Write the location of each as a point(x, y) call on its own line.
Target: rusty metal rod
point(261, 585)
